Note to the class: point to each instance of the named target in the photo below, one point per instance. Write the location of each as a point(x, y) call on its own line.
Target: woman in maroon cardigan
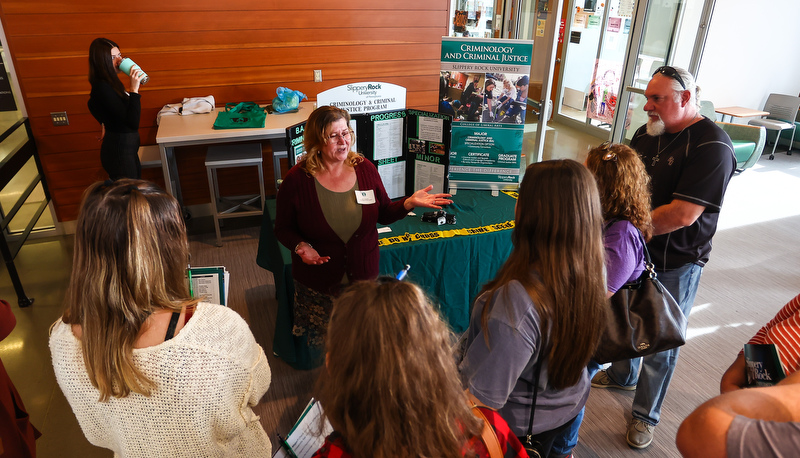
point(327, 208)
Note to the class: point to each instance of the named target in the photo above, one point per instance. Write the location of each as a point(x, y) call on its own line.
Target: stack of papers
point(209, 283)
point(305, 438)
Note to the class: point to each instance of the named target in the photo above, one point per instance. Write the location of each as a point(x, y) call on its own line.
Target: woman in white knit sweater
point(148, 370)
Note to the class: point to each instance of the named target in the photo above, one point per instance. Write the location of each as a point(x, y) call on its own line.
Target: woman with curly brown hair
point(625, 199)
point(391, 388)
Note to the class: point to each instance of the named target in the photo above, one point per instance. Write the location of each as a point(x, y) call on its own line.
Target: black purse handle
point(536, 370)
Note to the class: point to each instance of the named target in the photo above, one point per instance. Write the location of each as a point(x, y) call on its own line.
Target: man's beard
point(655, 128)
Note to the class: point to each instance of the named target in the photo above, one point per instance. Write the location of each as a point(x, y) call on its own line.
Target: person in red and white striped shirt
point(783, 331)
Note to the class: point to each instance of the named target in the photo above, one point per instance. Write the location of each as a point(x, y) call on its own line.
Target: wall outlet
point(317, 76)
point(59, 118)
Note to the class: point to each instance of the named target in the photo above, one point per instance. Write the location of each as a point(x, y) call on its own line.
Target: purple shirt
point(624, 254)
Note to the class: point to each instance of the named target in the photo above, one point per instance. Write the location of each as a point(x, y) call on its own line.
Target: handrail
point(9, 168)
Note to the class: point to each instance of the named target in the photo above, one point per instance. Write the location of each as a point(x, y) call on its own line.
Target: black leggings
point(119, 155)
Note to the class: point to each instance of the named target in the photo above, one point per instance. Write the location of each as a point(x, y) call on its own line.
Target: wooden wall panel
point(235, 50)
point(96, 6)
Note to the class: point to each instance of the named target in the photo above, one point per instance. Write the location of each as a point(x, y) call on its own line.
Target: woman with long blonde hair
point(148, 370)
point(390, 386)
point(535, 326)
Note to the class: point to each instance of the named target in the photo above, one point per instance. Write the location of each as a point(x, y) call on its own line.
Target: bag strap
point(536, 370)
point(488, 436)
point(649, 267)
point(242, 107)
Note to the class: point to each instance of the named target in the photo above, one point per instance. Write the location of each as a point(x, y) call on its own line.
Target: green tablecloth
point(451, 262)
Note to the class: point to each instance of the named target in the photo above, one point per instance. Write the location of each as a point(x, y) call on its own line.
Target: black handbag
point(643, 318)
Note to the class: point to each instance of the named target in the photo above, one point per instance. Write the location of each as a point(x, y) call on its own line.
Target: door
point(540, 21)
point(595, 49)
point(672, 33)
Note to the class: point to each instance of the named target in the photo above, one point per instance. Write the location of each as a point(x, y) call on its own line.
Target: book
point(305, 438)
point(763, 365)
point(210, 283)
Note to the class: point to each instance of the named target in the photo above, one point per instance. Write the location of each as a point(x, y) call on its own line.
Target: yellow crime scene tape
point(407, 237)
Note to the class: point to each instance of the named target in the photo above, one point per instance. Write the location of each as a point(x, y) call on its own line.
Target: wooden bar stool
point(149, 156)
point(227, 156)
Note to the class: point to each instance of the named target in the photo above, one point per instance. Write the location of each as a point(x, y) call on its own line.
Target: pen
point(402, 274)
point(189, 274)
point(286, 447)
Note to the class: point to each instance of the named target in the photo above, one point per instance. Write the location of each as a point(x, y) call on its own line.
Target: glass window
point(595, 54)
point(472, 18)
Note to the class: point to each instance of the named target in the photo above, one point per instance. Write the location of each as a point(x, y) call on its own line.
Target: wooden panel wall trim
point(242, 59)
point(35, 46)
point(150, 22)
point(236, 50)
point(305, 7)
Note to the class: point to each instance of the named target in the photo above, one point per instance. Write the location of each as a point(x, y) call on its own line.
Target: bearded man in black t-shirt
point(690, 161)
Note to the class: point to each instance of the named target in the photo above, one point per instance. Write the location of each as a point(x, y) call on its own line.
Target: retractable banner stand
point(484, 86)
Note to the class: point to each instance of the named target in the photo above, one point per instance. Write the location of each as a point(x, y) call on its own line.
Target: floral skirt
point(312, 311)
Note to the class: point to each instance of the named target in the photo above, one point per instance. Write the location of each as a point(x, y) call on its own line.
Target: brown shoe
point(640, 434)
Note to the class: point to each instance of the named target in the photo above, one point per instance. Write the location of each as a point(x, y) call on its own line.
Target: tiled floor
point(44, 266)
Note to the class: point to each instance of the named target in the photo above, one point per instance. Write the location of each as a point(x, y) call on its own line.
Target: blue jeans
point(657, 370)
point(568, 439)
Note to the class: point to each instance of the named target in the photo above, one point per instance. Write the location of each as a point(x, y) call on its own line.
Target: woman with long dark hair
point(116, 109)
point(534, 327)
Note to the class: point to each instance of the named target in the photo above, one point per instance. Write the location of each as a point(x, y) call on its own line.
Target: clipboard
point(305, 437)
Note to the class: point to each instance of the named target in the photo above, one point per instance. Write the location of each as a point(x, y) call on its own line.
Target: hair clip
point(609, 155)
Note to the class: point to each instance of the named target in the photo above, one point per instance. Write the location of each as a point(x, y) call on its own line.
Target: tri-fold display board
point(410, 148)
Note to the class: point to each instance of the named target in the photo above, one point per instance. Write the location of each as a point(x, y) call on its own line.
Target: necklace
point(661, 150)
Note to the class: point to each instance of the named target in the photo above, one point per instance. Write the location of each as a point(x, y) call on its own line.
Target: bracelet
point(298, 246)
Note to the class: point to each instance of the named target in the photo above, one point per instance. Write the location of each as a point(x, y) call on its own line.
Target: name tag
point(365, 197)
